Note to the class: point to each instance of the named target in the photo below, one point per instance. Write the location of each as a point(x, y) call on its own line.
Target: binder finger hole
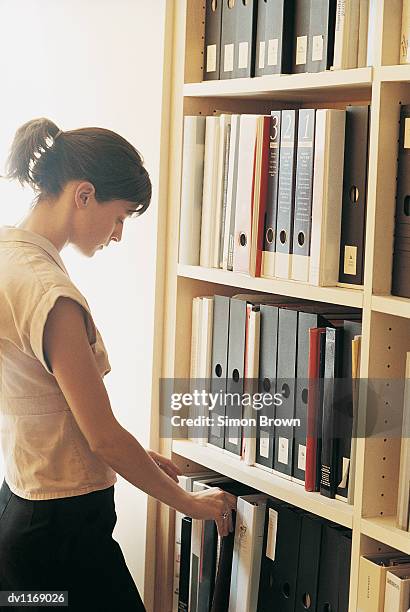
point(266, 384)
point(218, 370)
point(231, 4)
point(301, 239)
point(305, 394)
point(235, 375)
point(307, 601)
point(286, 590)
point(354, 194)
point(214, 4)
point(242, 239)
point(285, 390)
point(407, 206)
point(282, 236)
point(269, 235)
point(327, 607)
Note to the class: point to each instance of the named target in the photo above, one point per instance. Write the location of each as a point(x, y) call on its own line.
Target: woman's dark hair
point(46, 158)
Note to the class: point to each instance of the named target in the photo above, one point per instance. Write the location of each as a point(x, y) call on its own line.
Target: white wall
point(98, 62)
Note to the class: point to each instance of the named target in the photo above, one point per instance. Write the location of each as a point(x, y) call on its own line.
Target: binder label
point(243, 55)
point(350, 260)
point(283, 450)
point(261, 55)
point(272, 531)
point(264, 446)
point(317, 48)
point(407, 133)
point(345, 472)
point(301, 50)
point(228, 58)
point(273, 48)
point(211, 58)
point(302, 457)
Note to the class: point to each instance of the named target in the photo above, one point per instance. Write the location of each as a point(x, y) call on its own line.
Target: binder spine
point(345, 414)
point(260, 190)
point(183, 595)
point(213, 28)
point(274, 37)
point(191, 190)
point(352, 241)
point(301, 36)
point(401, 255)
point(286, 382)
point(228, 55)
point(267, 382)
point(224, 194)
point(303, 195)
point(220, 339)
point(314, 411)
point(242, 242)
point(286, 191)
point(305, 322)
point(309, 563)
point(227, 262)
point(235, 374)
point(245, 30)
point(328, 481)
point(209, 194)
point(321, 35)
point(268, 256)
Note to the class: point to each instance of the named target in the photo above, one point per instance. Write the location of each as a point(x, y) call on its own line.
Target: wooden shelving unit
point(391, 305)
point(291, 492)
point(332, 295)
point(280, 87)
point(386, 329)
point(384, 530)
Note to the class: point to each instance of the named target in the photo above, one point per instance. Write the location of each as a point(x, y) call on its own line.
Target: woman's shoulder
point(33, 273)
point(30, 285)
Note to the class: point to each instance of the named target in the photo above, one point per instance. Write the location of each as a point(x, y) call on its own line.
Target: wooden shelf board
point(398, 73)
point(383, 529)
point(331, 295)
point(266, 482)
point(392, 305)
point(285, 86)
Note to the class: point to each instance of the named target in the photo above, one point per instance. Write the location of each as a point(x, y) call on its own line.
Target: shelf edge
point(281, 488)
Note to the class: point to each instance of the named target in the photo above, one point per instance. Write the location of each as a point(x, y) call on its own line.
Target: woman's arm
point(68, 352)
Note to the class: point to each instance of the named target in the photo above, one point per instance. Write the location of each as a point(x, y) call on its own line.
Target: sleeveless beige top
point(45, 454)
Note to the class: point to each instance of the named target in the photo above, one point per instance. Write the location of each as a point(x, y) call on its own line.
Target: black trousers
point(65, 545)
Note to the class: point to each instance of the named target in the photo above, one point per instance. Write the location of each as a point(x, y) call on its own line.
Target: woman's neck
point(48, 220)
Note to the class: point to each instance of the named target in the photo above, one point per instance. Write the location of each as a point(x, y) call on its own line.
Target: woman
point(62, 444)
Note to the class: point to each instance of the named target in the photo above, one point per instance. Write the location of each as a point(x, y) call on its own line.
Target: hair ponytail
point(47, 159)
point(31, 141)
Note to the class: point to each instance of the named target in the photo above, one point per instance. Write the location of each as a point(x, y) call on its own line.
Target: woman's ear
point(83, 193)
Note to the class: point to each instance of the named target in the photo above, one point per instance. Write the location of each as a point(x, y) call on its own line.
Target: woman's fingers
point(231, 501)
point(168, 467)
point(172, 470)
point(168, 470)
point(175, 468)
point(222, 525)
point(230, 522)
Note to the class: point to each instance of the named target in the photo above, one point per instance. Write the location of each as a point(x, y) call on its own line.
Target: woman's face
point(97, 223)
point(106, 222)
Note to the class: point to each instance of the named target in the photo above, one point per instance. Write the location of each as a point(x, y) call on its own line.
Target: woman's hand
point(216, 504)
point(166, 465)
